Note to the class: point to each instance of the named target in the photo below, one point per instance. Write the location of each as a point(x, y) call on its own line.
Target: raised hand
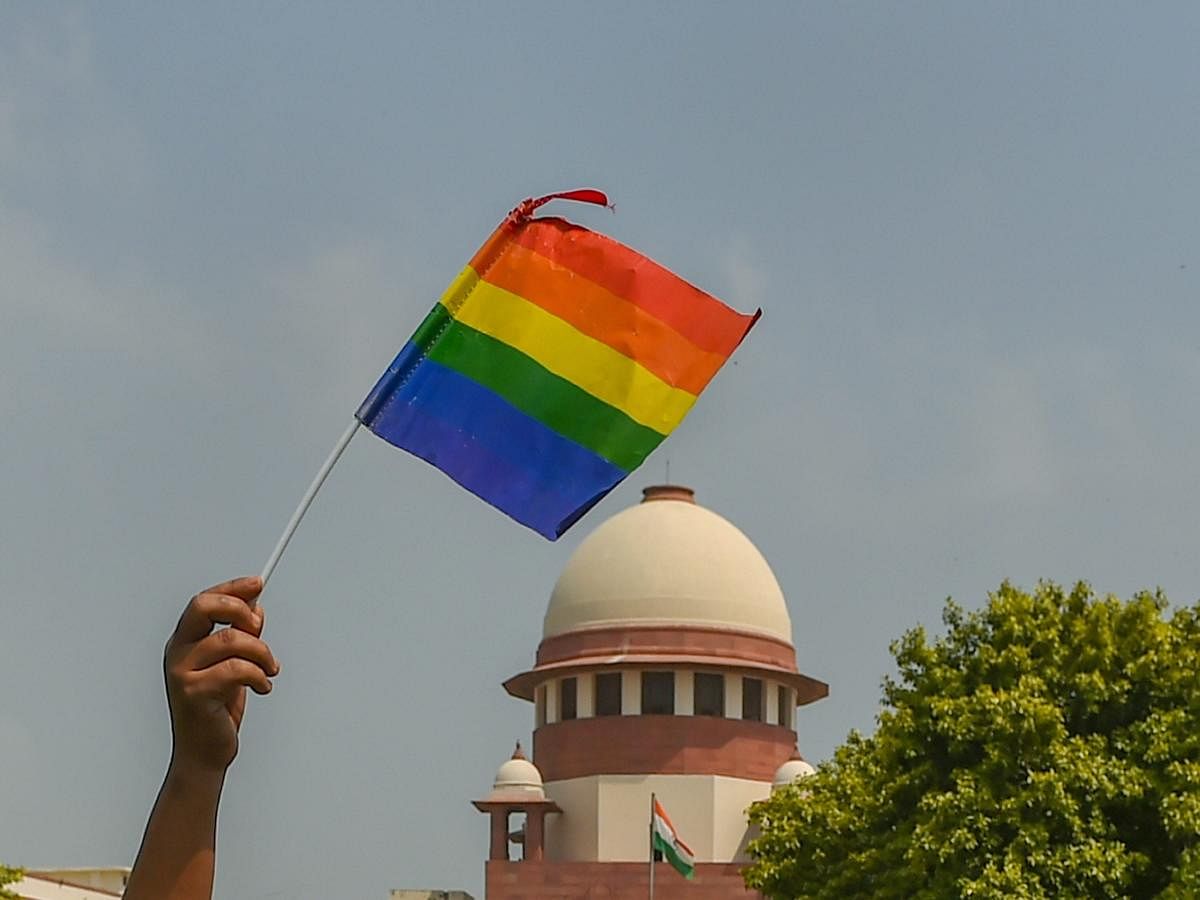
point(208, 670)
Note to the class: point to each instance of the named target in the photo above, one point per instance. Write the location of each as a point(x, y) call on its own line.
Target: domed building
point(666, 668)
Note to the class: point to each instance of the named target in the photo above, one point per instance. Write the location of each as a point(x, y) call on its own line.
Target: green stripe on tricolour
point(554, 401)
point(671, 855)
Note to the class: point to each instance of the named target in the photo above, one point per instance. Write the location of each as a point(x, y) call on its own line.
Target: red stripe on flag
point(605, 316)
point(701, 318)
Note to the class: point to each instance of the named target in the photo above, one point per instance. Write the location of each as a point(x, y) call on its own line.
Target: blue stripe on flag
point(491, 448)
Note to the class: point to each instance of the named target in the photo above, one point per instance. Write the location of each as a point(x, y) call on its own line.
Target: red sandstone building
point(666, 665)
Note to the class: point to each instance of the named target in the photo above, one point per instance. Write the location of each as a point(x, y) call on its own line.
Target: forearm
point(207, 671)
point(179, 847)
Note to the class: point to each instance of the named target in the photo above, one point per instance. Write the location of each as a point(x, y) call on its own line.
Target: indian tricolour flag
point(665, 839)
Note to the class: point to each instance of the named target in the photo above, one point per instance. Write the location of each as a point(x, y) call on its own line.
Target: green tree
point(1047, 746)
point(8, 876)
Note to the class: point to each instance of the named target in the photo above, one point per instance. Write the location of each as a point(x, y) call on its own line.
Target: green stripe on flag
point(671, 855)
point(555, 402)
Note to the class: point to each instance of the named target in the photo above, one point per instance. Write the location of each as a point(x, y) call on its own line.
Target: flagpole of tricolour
point(307, 499)
point(651, 845)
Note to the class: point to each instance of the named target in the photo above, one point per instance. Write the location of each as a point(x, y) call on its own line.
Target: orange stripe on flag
point(662, 814)
point(605, 316)
point(701, 318)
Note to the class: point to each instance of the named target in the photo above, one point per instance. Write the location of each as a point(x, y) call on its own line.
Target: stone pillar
point(535, 830)
point(499, 844)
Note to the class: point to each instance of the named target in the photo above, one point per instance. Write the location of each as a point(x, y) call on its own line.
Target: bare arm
point(207, 673)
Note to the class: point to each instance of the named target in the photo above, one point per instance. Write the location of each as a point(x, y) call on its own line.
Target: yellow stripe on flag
point(584, 361)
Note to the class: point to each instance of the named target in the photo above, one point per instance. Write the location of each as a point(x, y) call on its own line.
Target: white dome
point(792, 770)
point(518, 776)
point(668, 561)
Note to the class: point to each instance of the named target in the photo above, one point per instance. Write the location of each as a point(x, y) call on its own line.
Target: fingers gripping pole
point(307, 500)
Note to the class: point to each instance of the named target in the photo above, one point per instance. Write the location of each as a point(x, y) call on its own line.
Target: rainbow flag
point(552, 366)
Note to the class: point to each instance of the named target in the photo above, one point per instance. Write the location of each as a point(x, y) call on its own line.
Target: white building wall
point(606, 817)
point(731, 830)
point(733, 696)
point(585, 697)
point(37, 887)
point(572, 834)
point(631, 693)
point(685, 693)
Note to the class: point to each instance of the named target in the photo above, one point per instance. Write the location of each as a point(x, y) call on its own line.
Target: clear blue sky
point(973, 229)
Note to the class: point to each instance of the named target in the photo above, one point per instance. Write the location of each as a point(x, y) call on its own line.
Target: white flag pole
point(307, 500)
point(651, 846)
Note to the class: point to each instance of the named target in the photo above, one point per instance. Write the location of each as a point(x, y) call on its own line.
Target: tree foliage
point(9, 876)
point(1047, 746)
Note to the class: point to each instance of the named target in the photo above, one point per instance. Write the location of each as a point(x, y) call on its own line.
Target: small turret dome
point(793, 770)
point(518, 777)
point(668, 561)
